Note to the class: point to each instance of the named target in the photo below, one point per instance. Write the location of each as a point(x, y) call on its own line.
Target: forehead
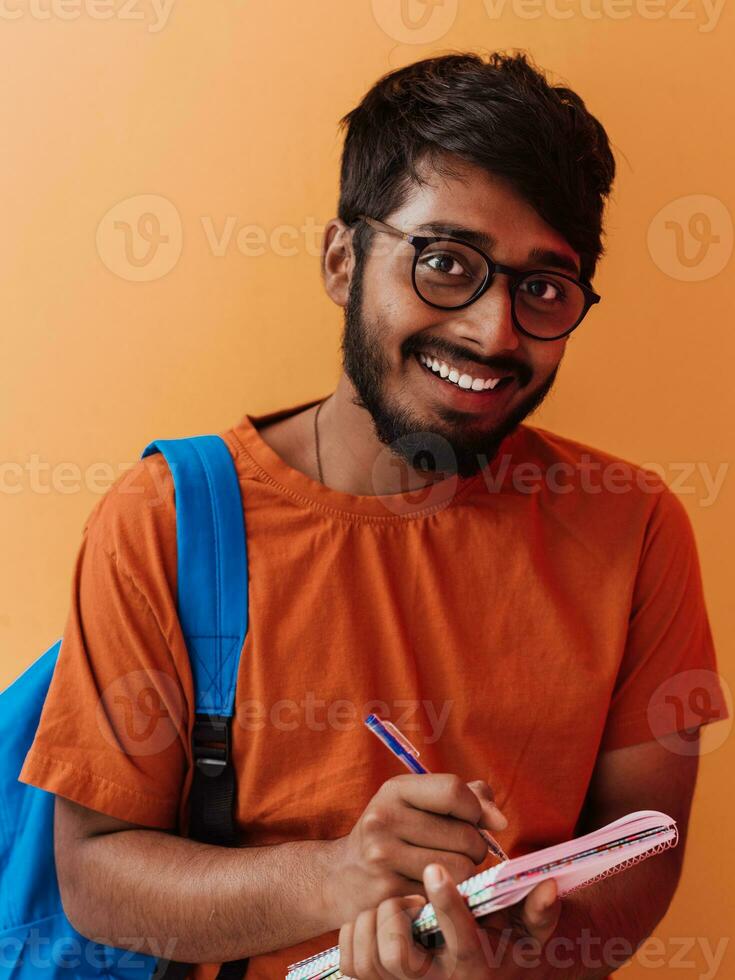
point(469, 197)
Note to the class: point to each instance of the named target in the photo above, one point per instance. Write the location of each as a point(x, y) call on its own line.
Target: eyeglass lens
point(448, 274)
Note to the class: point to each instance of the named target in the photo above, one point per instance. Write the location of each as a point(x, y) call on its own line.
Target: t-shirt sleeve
point(668, 680)
point(113, 733)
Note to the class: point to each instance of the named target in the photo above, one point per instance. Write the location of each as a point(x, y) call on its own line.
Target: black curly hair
point(498, 112)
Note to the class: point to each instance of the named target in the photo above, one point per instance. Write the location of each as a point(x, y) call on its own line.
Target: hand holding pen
point(408, 824)
point(413, 820)
point(408, 754)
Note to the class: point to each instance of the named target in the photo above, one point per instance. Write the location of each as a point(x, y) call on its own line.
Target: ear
point(337, 261)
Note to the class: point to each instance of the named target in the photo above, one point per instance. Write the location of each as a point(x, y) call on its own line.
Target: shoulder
point(132, 528)
point(594, 494)
point(550, 447)
point(139, 506)
point(599, 474)
point(134, 523)
point(574, 467)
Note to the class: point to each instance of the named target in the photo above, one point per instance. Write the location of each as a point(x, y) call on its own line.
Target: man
point(414, 550)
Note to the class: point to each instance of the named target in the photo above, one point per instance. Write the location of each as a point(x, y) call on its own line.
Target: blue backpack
point(36, 938)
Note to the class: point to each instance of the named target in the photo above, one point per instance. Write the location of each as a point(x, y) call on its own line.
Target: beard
point(456, 446)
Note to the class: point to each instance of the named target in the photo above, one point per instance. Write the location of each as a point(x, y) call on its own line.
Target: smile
point(453, 376)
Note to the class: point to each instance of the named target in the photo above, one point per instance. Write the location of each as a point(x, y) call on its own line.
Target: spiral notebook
point(572, 864)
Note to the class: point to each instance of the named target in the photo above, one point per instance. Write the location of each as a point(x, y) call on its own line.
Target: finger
point(541, 910)
point(442, 833)
point(493, 817)
point(411, 861)
point(398, 953)
point(444, 793)
point(346, 960)
point(365, 948)
point(455, 920)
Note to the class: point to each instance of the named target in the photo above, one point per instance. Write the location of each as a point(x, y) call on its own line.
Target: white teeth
point(465, 381)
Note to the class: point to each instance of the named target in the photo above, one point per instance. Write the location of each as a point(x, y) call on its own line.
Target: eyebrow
point(536, 257)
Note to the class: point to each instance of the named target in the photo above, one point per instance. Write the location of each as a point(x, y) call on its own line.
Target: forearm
point(197, 903)
point(602, 925)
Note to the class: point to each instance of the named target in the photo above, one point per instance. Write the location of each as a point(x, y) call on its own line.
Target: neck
point(353, 459)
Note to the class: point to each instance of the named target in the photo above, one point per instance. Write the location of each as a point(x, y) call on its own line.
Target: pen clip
point(399, 737)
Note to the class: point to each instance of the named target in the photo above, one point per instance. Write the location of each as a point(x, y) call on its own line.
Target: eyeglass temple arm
point(388, 229)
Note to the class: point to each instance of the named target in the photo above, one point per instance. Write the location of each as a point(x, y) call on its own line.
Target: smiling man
point(472, 346)
point(418, 550)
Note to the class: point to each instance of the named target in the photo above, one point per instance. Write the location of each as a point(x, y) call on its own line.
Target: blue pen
point(400, 746)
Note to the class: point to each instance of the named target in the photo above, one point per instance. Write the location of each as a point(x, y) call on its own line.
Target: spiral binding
point(627, 863)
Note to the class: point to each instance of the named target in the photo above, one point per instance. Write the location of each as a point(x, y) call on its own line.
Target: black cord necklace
point(316, 441)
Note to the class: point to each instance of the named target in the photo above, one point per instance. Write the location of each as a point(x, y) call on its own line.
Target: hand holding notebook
point(572, 864)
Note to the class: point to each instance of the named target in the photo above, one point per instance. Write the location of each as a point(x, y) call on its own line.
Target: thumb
point(541, 910)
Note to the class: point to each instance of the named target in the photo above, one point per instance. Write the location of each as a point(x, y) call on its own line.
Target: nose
point(488, 322)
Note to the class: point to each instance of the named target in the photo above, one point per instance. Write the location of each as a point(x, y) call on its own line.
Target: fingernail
point(500, 817)
point(434, 876)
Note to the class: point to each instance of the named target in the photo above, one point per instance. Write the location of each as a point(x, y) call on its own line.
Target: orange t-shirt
point(511, 633)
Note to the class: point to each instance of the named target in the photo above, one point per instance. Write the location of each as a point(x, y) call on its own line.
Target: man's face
point(388, 328)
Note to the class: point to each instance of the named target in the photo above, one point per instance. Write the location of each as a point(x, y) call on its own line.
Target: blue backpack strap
point(212, 593)
point(212, 604)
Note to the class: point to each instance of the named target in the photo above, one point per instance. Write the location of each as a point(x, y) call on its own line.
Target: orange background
point(228, 111)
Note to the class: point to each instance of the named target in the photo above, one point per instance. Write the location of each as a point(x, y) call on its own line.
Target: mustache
point(521, 371)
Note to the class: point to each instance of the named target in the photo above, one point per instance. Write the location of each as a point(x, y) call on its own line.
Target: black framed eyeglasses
point(449, 274)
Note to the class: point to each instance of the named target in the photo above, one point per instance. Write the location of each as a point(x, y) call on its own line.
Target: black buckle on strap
point(211, 743)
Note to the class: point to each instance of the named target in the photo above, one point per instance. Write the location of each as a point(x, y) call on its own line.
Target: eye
point(444, 263)
point(545, 290)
